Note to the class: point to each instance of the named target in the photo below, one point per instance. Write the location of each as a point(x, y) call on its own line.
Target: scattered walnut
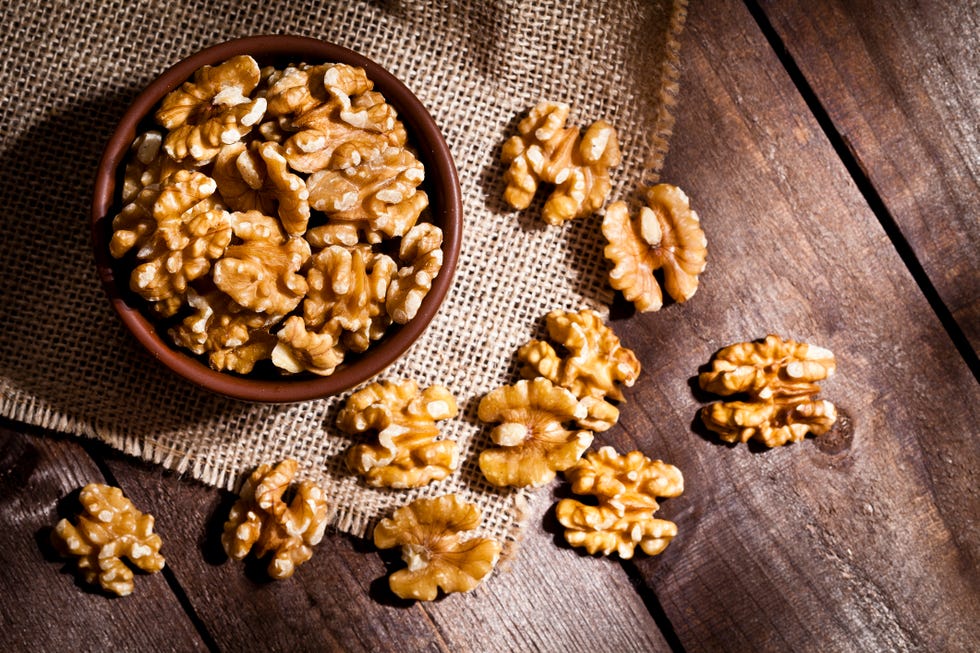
point(626, 488)
point(595, 362)
point(109, 529)
point(773, 423)
point(421, 250)
point(779, 379)
point(262, 521)
point(406, 453)
point(665, 235)
point(545, 150)
point(429, 534)
point(212, 110)
point(531, 434)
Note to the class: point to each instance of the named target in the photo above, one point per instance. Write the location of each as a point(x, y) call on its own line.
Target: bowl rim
point(444, 191)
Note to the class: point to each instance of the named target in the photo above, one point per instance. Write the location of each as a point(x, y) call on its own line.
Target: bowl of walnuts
point(276, 218)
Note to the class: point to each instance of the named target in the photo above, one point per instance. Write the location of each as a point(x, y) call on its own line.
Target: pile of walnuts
point(277, 216)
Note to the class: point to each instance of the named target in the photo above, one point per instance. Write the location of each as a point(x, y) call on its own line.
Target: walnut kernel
point(109, 529)
point(211, 110)
point(406, 453)
point(593, 365)
point(544, 150)
point(429, 532)
point(665, 235)
point(779, 380)
point(262, 522)
point(533, 441)
point(626, 488)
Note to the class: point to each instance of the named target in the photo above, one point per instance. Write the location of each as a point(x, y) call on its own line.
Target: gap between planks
point(867, 189)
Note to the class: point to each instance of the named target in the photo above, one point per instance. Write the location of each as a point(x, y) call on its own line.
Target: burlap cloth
point(69, 69)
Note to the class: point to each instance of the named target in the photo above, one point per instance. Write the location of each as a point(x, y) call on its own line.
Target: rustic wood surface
point(831, 151)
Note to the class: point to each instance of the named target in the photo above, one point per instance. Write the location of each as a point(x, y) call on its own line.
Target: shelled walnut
point(262, 270)
point(280, 196)
point(109, 529)
point(211, 110)
point(666, 235)
point(626, 488)
point(406, 453)
point(429, 532)
point(592, 364)
point(192, 231)
point(778, 378)
point(421, 252)
point(544, 150)
point(232, 336)
point(261, 521)
point(536, 433)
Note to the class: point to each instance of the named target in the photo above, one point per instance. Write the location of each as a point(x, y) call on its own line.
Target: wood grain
point(44, 607)
point(864, 541)
point(901, 82)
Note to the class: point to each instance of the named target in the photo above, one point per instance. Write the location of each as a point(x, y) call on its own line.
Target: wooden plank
point(44, 607)
point(546, 596)
point(866, 540)
point(901, 82)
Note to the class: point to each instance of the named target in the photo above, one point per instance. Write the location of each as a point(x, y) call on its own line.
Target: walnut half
point(429, 532)
point(532, 435)
point(262, 521)
point(591, 364)
point(544, 150)
point(626, 488)
point(109, 529)
point(666, 235)
point(778, 379)
point(405, 453)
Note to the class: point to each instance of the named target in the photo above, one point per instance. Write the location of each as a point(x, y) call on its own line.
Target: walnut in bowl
point(276, 218)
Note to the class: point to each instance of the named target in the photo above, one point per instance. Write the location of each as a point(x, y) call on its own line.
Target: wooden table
point(832, 151)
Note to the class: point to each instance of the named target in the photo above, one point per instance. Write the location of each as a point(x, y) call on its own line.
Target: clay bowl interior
point(445, 210)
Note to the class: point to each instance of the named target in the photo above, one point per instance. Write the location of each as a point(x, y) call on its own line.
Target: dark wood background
point(831, 149)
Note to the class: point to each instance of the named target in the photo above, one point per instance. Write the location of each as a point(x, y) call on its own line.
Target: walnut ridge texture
point(778, 379)
point(262, 522)
point(402, 418)
point(430, 533)
point(538, 432)
point(576, 163)
point(626, 488)
point(109, 530)
point(666, 235)
point(590, 361)
point(278, 216)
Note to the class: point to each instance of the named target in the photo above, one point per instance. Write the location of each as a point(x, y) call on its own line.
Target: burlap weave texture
point(69, 69)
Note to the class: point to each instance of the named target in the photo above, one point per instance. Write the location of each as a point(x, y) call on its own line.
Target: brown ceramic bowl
point(441, 184)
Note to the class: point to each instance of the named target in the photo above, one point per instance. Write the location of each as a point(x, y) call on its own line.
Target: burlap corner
point(67, 75)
